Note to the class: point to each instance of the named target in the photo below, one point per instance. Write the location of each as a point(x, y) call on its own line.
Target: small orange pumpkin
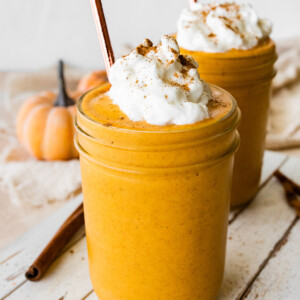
point(45, 124)
point(91, 80)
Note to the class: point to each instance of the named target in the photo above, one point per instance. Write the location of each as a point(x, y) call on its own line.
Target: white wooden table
point(263, 252)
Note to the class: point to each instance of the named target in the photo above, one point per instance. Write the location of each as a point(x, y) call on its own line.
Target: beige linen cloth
point(23, 179)
point(284, 119)
point(37, 183)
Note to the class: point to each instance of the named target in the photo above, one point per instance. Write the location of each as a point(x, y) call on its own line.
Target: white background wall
point(35, 33)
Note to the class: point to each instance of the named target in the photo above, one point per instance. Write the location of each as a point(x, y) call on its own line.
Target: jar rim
point(141, 170)
point(129, 130)
point(261, 49)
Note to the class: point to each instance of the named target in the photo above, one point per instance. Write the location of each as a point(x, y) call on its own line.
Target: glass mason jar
point(247, 75)
point(156, 206)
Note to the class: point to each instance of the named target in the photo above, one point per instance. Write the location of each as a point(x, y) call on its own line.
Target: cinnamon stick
point(291, 190)
point(56, 244)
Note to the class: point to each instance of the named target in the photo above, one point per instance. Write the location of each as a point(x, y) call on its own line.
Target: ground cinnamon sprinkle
point(185, 87)
point(173, 51)
point(186, 62)
point(211, 35)
point(227, 6)
point(215, 102)
point(228, 24)
point(184, 72)
point(145, 49)
point(204, 14)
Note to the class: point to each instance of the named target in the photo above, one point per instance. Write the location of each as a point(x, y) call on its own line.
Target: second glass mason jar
point(156, 205)
point(247, 75)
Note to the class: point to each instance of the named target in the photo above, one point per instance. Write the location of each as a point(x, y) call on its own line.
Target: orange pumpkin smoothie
point(247, 75)
point(156, 199)
point(232, 46)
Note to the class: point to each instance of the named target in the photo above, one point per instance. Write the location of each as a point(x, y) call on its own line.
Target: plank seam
point(87, 295)
point(64, 251)
point(277, 247)
point(10, 257)
point(12, 291)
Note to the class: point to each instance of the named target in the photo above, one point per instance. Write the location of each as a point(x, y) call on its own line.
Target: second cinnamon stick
point(291, 190)
point(55, 246)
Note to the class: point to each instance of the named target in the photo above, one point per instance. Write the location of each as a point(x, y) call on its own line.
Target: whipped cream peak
point(220, 27)
point(158, 85)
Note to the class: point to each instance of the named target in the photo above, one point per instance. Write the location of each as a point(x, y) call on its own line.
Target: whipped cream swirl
point(158, 85)
point(221, 27)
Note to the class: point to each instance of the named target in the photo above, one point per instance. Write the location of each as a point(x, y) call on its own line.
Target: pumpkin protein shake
point(231, 44)
point(156, 153)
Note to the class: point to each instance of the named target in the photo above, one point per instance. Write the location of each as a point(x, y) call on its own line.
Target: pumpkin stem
point(62, 98)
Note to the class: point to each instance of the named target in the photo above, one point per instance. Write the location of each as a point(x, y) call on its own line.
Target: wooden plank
point(281, 278)
point(59, 281)
point(16, 221)
point(254, 233)
point(68, 278)
point(15, 259)
point(271, 162)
